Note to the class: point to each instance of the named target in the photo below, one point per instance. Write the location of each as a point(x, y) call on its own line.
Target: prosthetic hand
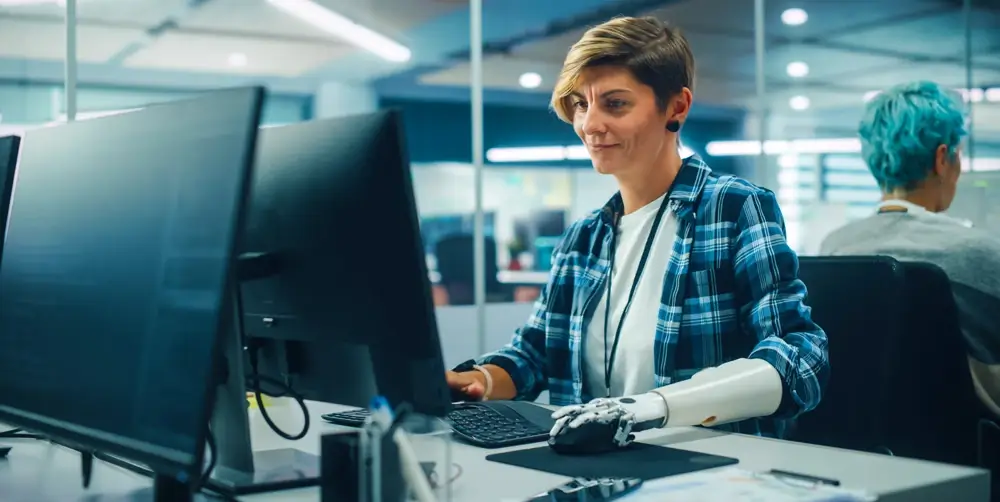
point(605, 423)
point(734, 391)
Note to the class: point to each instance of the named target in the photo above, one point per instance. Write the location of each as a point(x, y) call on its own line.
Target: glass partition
point(823, 61)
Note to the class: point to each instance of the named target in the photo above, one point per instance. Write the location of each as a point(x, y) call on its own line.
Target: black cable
point(254, 384)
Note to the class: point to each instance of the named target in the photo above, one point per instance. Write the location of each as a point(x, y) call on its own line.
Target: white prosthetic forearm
point(734, 391)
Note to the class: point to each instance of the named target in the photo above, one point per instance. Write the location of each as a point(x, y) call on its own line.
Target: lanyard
point(609, 362)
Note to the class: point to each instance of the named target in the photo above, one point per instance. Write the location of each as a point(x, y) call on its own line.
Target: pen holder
point(359, 466)
point(430, 439)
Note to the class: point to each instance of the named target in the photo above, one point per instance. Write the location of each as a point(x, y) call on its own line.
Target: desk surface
point(52, 472)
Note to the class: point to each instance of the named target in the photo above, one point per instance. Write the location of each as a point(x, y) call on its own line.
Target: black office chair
point(455, 264)
point(933, 409)
point(858, 301)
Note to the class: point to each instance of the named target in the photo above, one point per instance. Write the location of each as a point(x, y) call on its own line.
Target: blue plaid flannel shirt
point(731, 291)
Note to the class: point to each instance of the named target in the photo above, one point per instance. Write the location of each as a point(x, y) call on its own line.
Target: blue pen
point(381, 413)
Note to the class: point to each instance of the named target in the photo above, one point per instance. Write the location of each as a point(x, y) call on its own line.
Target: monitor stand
point(239, 470)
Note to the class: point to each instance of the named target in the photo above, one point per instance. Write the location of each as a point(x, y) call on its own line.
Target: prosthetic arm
point(734, 391)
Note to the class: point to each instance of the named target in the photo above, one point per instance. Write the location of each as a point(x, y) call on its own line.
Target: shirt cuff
point(791, 404)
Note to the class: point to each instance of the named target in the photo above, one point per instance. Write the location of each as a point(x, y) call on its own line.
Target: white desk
point(53, 472)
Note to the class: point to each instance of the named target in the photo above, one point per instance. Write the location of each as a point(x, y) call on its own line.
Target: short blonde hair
point(657, 55)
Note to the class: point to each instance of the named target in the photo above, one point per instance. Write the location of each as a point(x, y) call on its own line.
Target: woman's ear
point(942, 161)
point(680, 106)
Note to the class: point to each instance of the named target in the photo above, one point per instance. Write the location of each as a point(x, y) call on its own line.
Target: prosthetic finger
point(560, 424)
point(587, 417)
point(568, 410)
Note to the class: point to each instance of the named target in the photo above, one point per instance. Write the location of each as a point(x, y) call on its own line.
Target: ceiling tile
point(498, 73)
point(251, 18)
point(46, 40)
point(941, 35)
point(184, 51)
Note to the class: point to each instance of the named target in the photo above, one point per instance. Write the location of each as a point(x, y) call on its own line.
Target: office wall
point(334, 99)
point(441, 132)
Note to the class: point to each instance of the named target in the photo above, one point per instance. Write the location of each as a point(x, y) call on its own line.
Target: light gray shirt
point(970, 257)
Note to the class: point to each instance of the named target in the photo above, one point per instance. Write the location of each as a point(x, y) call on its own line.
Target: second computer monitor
point(334, 209)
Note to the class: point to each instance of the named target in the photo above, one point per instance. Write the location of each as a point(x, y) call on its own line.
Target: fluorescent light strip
point(774, 147)
point(527, 154)
point(339, 26)
point(550, 153)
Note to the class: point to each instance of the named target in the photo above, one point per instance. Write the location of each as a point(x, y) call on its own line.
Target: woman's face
point(618, 120)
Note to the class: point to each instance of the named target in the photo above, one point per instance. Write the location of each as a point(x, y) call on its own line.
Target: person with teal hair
point(911, 139)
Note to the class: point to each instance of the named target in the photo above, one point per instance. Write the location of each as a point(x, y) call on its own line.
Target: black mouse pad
point(639, 460)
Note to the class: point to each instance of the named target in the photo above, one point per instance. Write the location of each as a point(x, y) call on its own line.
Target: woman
point(681, 271)
point(911, 138)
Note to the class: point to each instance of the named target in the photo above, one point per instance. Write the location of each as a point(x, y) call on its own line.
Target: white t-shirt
point(633, 369)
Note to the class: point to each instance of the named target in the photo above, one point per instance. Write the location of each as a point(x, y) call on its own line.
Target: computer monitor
point(549, 222)
point(115, 280)
point(336, 300)
point(9, 146)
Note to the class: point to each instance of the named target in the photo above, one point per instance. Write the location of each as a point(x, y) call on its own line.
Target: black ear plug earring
point(673, 126)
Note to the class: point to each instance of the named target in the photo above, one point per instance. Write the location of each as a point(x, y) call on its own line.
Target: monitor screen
point(114, 272)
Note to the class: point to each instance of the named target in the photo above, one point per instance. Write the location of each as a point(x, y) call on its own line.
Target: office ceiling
point(852, 47)
point(200, 35)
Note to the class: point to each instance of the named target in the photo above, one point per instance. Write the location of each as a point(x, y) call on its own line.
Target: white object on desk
point(732, 484)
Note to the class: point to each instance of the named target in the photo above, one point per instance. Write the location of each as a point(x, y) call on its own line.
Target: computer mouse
point(587, 439)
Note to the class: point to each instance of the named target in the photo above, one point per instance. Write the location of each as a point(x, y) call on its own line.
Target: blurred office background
point(780, 88)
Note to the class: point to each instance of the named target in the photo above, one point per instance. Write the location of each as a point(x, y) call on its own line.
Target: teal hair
point(903, 127)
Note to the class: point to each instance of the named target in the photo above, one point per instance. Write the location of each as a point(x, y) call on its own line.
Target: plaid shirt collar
point(684, 193)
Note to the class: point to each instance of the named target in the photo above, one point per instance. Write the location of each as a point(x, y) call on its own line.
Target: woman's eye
point(615, 104)
point(579, 105)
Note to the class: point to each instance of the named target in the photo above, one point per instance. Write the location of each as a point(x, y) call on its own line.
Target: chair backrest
point(858, 301)
point(932, 405)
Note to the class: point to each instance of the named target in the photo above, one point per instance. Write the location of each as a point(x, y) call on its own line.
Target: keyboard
point(492, 424)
